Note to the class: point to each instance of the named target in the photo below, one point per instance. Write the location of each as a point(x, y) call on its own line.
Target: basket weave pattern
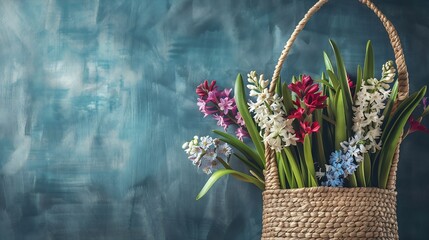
point(326, 212)
point(330, 213)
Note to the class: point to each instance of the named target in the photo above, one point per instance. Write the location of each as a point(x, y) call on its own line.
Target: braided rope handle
point(271, 173)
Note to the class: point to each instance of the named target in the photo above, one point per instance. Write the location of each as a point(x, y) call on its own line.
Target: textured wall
point(97, 96)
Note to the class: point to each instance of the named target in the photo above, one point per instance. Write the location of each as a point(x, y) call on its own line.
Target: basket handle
point(271, 172)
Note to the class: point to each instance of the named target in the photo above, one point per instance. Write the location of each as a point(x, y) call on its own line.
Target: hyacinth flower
point(415, 124)
point(221, 106)
point(308, 99)
point(210, 155)
point(269, 114)
point(207, 153)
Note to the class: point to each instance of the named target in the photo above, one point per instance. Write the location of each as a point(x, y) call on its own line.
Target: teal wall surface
point(97, 97)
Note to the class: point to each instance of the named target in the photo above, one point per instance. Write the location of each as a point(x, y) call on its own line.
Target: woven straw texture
point(332, 213)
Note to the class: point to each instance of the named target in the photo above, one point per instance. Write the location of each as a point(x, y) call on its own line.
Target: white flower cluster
point(369, 103)
point(269, 114)
point(204, 152)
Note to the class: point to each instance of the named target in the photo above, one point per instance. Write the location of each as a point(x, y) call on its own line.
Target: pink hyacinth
point(241, 133)
point(221, 107)
point(226, 104)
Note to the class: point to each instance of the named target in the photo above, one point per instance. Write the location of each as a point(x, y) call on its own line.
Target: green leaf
point(325, 83)
point(287, 169)
point(279, 87)
point(280, 164)
point(222, 172)
point(303, 167)
point(328, 63)
point(319, 139)
point(352, 180)
point(368, 67)
point(333, 79)
point(358, 81)
point(388, 109)
point(224, 164)
point(295, 79)
point(241, 103)
point(252, 167)
point(240, 146)
point(393, 119)
point(340, 126)
point(342, 78)
point(360, 174)
point(367, 169)
point(309, 162)
point(400, 118)
point(257, 177)
point(287, 98)
point(294, 166)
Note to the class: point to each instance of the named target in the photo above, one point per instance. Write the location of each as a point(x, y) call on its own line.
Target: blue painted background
point(96, 98)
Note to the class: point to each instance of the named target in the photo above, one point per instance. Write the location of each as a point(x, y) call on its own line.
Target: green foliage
point(241, 102)
point(392, 134)
point(222, 172)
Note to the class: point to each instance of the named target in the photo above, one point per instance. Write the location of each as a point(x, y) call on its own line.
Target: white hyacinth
point(269, 114)
point(204, 152)
point(369, 103)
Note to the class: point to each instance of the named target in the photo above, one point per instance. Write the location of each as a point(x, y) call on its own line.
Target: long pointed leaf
point(222, 172)
point(241, 102)
point(368, 67)
point(392, 140)
point(288, 171)
point(294, 166)
point(359, 80)
point(287, 98)
point(252, 167)
point(279, 87)
point(388, 109)
point(367, 169)
point(309, 162)
point(342, 78)
point(360, 174)
point(328, 63)
point(319, 140)
point(340, 126)
point(333, 79)
point(239, 145)
point(280, 164)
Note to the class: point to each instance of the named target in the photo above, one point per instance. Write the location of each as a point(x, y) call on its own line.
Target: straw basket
point(325, 212)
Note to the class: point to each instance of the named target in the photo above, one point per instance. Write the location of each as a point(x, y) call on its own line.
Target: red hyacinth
point(308, 98)
point(315, 101)
point(304, 87)
point(306, 128)
point(296, 114)
point(416, 126)
point(308, 92)
point(350, 82)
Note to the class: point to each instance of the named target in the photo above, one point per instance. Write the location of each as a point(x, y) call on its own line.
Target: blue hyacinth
point(340, 166)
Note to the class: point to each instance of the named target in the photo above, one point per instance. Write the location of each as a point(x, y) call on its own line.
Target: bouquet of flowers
point(334, 131)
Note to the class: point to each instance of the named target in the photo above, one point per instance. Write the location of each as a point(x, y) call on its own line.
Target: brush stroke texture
point(97, 96)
